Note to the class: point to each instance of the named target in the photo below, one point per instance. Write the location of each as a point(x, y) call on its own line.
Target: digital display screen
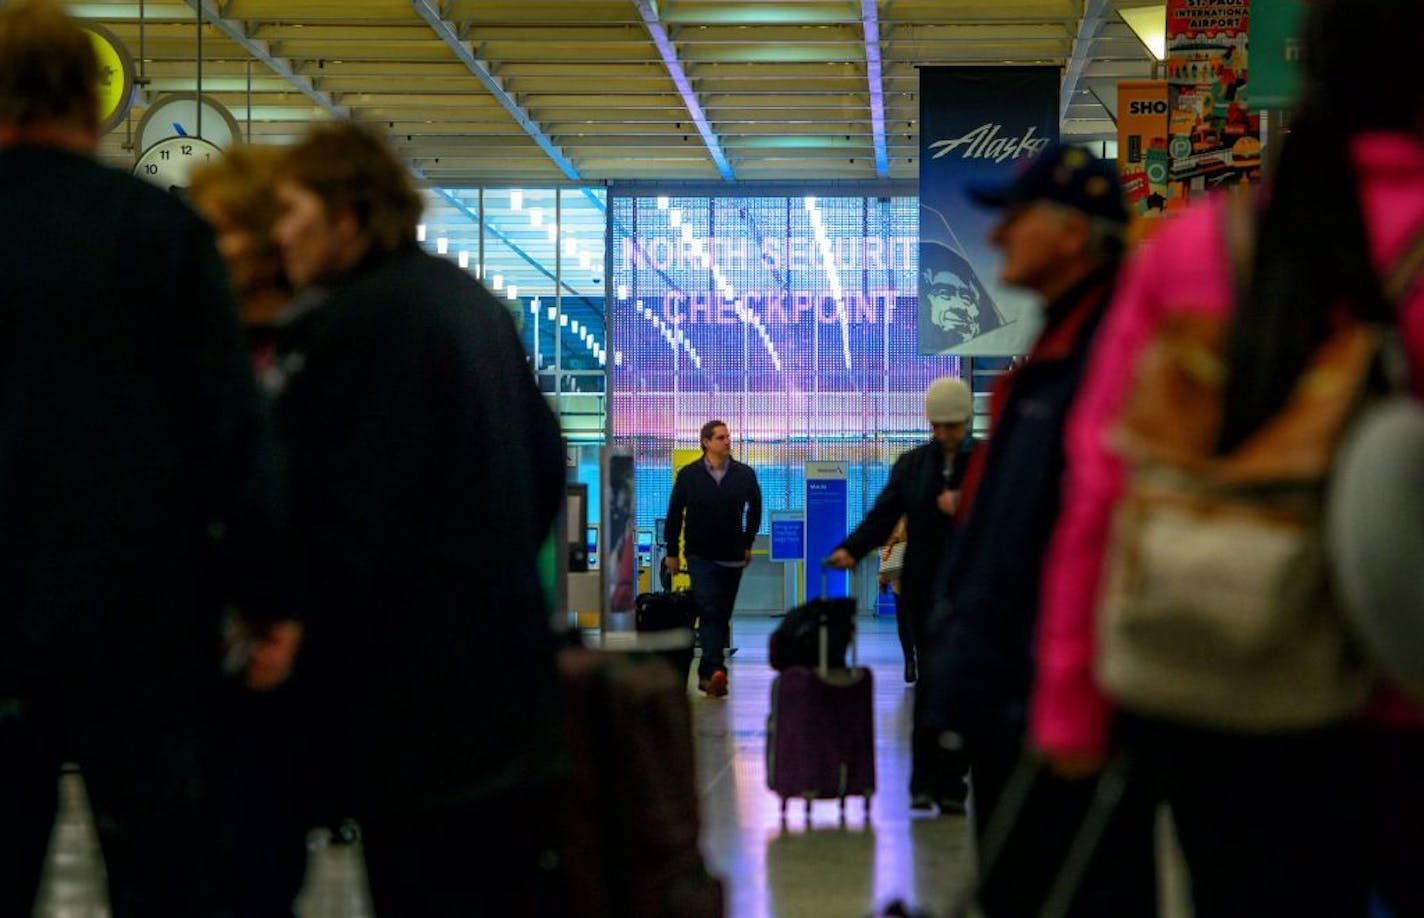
point(792, 319)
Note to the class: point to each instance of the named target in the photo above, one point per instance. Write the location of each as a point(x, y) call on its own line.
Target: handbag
point(1218, 607)
point(892, 562)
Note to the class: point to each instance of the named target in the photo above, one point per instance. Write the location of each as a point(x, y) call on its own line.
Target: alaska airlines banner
point(977, 124)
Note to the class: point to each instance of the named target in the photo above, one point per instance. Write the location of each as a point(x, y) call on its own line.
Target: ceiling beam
point(870, 19)
point(1094, 12)
point(689, 98)
point(463, 50)
point(236, 30)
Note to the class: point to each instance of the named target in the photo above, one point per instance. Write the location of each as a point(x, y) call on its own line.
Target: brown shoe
point(717, 685)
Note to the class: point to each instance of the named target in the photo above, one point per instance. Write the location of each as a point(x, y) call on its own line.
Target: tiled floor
point(821, 868)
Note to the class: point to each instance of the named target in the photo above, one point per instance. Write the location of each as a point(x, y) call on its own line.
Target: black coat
point(133, 434)
point(426, 472)
point(721, 519)
point(980, 666)
point(912, 491)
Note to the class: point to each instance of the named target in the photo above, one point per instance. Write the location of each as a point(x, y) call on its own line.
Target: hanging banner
point(619, 564)
point(977, 124)
point(1215, 140)
point(1142, 146)
point(1276, 52)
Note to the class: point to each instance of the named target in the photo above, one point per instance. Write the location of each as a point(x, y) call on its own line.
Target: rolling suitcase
point(820, 734)
point(630, 821)
point(670, 616)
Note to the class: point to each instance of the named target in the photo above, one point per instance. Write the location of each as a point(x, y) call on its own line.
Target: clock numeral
point(150, 168)
point(163, 155)
point(187, 149)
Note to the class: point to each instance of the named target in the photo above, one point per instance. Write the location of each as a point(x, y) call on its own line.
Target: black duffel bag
point(796, 641)
point(656, 612)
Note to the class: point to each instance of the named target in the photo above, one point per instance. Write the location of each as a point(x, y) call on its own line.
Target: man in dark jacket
point(1060, 237)
point(133, 435)
point(923, 489)
point(722, 501)
point(426, 472)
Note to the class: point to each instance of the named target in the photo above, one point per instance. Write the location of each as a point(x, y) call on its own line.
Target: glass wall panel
point(792, 319)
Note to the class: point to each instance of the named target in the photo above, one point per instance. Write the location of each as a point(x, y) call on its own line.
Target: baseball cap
point(1062, 174)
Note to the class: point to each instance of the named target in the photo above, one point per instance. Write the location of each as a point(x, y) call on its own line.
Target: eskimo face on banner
point(977, 124)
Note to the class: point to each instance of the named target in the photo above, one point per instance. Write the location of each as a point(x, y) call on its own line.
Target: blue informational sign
point(788, 539)
point(825, 526)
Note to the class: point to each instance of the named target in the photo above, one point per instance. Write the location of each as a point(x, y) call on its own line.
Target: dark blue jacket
point(133, 434)
point(980, 666)
point(912, 491)
point(722, 519)
point(426, 471)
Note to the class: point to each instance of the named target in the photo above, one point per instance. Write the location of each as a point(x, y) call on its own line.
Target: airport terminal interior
point(693, 209)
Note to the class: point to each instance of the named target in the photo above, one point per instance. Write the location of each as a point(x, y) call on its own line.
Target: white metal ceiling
point(542, 91)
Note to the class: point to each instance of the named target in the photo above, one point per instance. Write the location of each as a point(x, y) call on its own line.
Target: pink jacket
point(1183, 268)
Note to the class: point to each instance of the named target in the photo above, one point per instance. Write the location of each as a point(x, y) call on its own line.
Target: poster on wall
point(620, 535)
point(977, 124)
point(1215, 139)
point(1142, 146)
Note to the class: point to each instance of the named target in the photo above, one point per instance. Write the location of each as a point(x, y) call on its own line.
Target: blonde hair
point(240, 187)
point(48, 68)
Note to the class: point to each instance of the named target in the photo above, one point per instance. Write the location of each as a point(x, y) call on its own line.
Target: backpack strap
point(1406, 271)
point(1240, 234)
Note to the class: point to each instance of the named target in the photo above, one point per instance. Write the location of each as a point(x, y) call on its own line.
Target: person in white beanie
point(923, 489)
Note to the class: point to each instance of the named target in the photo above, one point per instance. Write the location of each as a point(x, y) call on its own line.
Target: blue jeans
point(714, 589)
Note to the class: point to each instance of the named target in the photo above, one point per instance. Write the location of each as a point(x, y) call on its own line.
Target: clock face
point(176, 114)
point(170, 162)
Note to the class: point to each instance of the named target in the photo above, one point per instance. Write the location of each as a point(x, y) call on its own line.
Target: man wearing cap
point(924, 489)
point(1060, 235)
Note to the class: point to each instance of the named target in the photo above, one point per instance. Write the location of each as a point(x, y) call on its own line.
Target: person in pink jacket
point(1271, 824)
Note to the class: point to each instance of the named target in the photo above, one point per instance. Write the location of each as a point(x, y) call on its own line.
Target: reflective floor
point(821, 867)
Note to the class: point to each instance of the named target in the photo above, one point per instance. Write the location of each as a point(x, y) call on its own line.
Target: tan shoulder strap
point(1406, 271)
point(1240, 216)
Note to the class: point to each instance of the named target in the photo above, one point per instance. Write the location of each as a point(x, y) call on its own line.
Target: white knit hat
point(948, 401)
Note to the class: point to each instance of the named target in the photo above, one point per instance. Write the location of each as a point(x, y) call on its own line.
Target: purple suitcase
point(820, 734)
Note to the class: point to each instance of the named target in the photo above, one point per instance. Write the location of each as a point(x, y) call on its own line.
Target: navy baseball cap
point(1062, 174)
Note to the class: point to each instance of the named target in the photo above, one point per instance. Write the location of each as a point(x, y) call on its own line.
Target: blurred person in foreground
point(1061, 237)
point(235, 195)
point(923, 489)
point(263, 816)
point(426, 470)
point(1290, 822)
point(139, 490)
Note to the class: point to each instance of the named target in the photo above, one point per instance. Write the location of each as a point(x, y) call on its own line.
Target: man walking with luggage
point(1061, 237)
point(722, 502)
point(923, 488)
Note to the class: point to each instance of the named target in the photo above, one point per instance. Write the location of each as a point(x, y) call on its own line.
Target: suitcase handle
point(824, 631)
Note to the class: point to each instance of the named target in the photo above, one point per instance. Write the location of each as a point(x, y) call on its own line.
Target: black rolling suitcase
point(665, 621)
point(820, 734)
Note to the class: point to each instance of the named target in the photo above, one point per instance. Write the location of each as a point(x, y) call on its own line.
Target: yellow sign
point(1142, 158)
point(116, 76)
point(681, 458)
